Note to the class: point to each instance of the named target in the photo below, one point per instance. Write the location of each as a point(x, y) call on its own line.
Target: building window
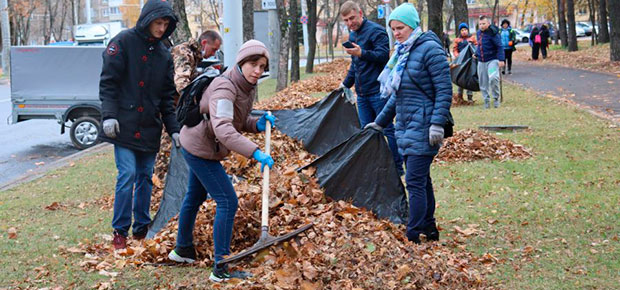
point(471, 2)
point(105, 12)
point(115, 11)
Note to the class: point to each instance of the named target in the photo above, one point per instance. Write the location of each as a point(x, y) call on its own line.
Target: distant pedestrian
point(509, 37)
point(544, 40)
point(535, 42)
point(490, 54)
point(461, 43)
point(188, 55)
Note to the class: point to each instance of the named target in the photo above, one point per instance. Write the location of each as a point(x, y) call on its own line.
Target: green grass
point(563, 203)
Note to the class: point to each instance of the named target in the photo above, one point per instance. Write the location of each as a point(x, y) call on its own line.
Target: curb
point(42, 171)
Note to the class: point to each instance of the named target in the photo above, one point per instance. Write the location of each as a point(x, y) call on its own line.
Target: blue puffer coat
point(415, 110)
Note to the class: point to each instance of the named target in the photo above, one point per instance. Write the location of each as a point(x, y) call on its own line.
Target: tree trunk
point(613, 7)
point(523, 13)
point(450, 18)
point(591, 5)
point(6, 37)
point(603, 33)
point(215, 15)
point(562, 21)
point(435, 21)
point(572, 33)
point(460, 14)
point(312, 22)
point(182, 32)
point(282, 81)
point(420, 9)
point(494, 19)
point(248, 20)
point(294, 41)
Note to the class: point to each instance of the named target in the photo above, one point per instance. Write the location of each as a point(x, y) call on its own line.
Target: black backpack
point(188, 108)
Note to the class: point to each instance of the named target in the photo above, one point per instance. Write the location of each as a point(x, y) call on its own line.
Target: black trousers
point(543, 48)
point(535, 51)
point(508, 54)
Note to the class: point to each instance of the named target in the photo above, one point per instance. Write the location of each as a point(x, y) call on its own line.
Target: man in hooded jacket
point(136, 90)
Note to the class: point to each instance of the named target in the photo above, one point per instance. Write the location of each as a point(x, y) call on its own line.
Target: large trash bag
point(321, 126)
point(174, 191)
point(362, 170)
point(464, 70)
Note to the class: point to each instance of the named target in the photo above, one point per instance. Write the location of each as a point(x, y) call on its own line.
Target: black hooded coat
point(137, 82)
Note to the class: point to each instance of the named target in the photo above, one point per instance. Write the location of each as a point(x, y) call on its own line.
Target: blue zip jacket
point(416, 110)
point(364, 70)
point(489, 45)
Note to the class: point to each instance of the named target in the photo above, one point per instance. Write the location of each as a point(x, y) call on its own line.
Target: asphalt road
point(27, 145)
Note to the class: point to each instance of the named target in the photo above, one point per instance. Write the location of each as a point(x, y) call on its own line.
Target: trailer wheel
point(85, 132)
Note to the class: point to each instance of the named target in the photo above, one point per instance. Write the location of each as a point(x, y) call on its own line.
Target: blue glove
point(263, 158)
point(261, 125)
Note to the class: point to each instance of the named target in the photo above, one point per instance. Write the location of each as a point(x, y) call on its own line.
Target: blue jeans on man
point(133, 189)
point(368, 109)
point(208, 176)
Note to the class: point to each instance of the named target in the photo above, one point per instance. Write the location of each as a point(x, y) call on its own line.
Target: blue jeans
point(134, 184)
point(208, 175)
point(369, 108)
point(421, 195)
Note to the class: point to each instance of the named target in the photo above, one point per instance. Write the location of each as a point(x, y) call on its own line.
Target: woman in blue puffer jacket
point(417, 82)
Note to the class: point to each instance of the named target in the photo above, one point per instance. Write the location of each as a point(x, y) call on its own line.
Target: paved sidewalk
point(599, 92)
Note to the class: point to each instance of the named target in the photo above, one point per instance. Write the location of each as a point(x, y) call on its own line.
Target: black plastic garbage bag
point(464, 70)
point(361, 170)
point(321, 126)
point(174, 191)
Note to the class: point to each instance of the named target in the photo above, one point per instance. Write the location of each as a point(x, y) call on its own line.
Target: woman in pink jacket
point(226, 105)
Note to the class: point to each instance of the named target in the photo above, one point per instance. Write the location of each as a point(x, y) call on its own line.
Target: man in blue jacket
point(490, 54)
point(370, 53)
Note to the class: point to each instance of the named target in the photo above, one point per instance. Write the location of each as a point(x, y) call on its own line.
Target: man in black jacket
point(370, 53)
point(136, 90)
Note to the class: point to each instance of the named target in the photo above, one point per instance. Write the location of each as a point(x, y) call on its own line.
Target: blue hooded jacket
point(415, 110)
point(489, 45)
point(364, 70)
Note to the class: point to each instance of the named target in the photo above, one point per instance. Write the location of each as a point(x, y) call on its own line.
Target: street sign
point(268, 4)
point(380, 11)
point(303, 19)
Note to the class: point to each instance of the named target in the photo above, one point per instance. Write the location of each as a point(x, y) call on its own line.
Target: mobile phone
point(348, 44)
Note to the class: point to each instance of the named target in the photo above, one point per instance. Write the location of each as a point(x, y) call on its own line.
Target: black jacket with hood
point(137, 82)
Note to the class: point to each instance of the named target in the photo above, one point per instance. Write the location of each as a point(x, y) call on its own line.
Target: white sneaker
point(178, 258)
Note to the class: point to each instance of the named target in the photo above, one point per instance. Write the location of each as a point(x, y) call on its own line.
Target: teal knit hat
point(407, 14)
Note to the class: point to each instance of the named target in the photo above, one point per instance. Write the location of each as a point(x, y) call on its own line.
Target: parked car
point(587, 27)
point(528, 28)
point(522, 36)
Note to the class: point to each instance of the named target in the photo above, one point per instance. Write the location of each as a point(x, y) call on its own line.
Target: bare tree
point(435, 21)
point(248, 20)
point(461, 14)
point(495, 17)
point(614, 18)
point(523, 12)
point(603, 34)
point(294, 40)
point(282, 80)
point(572, 33)
point(420, 8)
point(592, 10)
point(21, 13)
point(562, 22)
point(312, 22)
point(215, 15)
point(332, 16)
point(182, 32)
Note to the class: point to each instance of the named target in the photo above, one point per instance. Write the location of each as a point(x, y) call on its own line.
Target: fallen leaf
point(12, 233)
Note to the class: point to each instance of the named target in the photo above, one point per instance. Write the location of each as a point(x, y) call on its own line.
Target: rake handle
point(265, 203)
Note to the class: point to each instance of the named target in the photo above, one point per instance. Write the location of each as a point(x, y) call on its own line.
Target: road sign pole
point(304, 9)
point(388, 10)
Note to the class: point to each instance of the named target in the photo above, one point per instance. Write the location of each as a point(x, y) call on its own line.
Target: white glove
point(374, 126)
point(111, 128)
point(176, 140)
point(341, 86)
point(435, 135)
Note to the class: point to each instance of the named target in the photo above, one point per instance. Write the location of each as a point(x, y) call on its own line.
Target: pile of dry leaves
point(339, 65)
point(595, 58)
point(298, 94)
point(348, 247)
point(471, 145)
point(458, 100)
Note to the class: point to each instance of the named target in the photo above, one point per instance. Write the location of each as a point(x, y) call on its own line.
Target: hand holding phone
point(348, 44)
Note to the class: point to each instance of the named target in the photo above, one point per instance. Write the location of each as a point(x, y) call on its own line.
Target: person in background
point(188, 55)
point(417, 83)
point(535, 42)
point(369, 55)
point(137, 95)
point(490, 54)
point(226, 105)
point(509, 40)
point(544, 40)
point(461, 43)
